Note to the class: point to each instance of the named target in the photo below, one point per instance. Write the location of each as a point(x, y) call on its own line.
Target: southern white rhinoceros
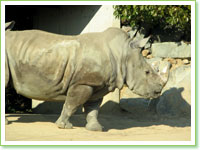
point(79, 70)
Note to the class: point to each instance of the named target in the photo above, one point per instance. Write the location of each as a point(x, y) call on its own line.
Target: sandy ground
point(36, 127)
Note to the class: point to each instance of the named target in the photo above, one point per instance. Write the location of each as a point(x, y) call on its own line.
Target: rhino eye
point(147, 72)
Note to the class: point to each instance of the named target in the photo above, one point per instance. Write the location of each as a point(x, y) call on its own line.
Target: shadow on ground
point(108, 121)
point(171, 106)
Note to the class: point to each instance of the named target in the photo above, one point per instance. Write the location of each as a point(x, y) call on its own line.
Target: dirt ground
point(41, 127)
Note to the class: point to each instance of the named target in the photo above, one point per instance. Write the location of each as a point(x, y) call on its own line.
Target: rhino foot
point(94, 126)
point(64, 125)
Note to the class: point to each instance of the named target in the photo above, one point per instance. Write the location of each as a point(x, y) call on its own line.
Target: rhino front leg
point(91, 110)
point(77, 95)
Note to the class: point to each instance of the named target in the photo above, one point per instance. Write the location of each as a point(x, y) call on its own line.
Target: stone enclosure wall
point(176, 95)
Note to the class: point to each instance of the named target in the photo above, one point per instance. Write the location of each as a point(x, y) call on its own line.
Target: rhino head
point(141, 77)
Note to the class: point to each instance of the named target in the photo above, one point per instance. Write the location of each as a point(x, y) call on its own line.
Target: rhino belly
point(35, 86)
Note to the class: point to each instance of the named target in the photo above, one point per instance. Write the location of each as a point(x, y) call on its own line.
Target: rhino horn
point(164, 74)
point(162, 68)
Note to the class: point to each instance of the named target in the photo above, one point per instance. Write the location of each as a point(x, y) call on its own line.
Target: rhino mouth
point(149, 96)
point(156, 94)
point(153, 95)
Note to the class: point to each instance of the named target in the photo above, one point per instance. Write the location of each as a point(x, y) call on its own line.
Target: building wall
point(102, 20)
point(73, 20)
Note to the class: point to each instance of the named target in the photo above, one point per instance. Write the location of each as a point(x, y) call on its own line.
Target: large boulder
point(176, 96)
point(132, 103)
point(110, 102)
point(171, 49)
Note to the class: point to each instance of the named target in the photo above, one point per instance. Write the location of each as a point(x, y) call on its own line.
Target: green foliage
point(164, 16)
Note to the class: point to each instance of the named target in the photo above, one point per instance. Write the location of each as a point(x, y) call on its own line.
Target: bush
point(165, 16)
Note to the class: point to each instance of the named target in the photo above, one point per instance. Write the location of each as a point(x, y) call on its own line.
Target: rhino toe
point(64, 125)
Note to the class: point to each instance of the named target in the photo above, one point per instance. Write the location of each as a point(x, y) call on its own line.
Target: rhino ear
point(143, 42)
point(139, 43)
point(9, 25)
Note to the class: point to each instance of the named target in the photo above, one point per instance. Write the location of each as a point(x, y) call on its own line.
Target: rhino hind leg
point(77, 95)
point(91, 110)
point(63, 120)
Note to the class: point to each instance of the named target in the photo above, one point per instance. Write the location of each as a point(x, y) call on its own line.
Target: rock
point(149, 56)
point(176, 96)
point(155, 59)
point(186, 61)
point(110, 102)
point(171, 50)
point(178, 75)
point(145, 52)
point(179, 62)
point(173, 104)
point(170, 60)
point(148, 45)
point(134, 105)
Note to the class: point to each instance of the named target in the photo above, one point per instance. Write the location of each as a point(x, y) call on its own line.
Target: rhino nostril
point(157, 92)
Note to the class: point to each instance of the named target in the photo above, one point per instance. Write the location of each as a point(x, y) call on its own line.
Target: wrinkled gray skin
point(79, 70)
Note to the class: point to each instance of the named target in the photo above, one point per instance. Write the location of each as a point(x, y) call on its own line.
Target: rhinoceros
point(79, 70)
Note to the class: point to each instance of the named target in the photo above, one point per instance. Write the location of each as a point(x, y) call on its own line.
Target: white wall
point(102, 20)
